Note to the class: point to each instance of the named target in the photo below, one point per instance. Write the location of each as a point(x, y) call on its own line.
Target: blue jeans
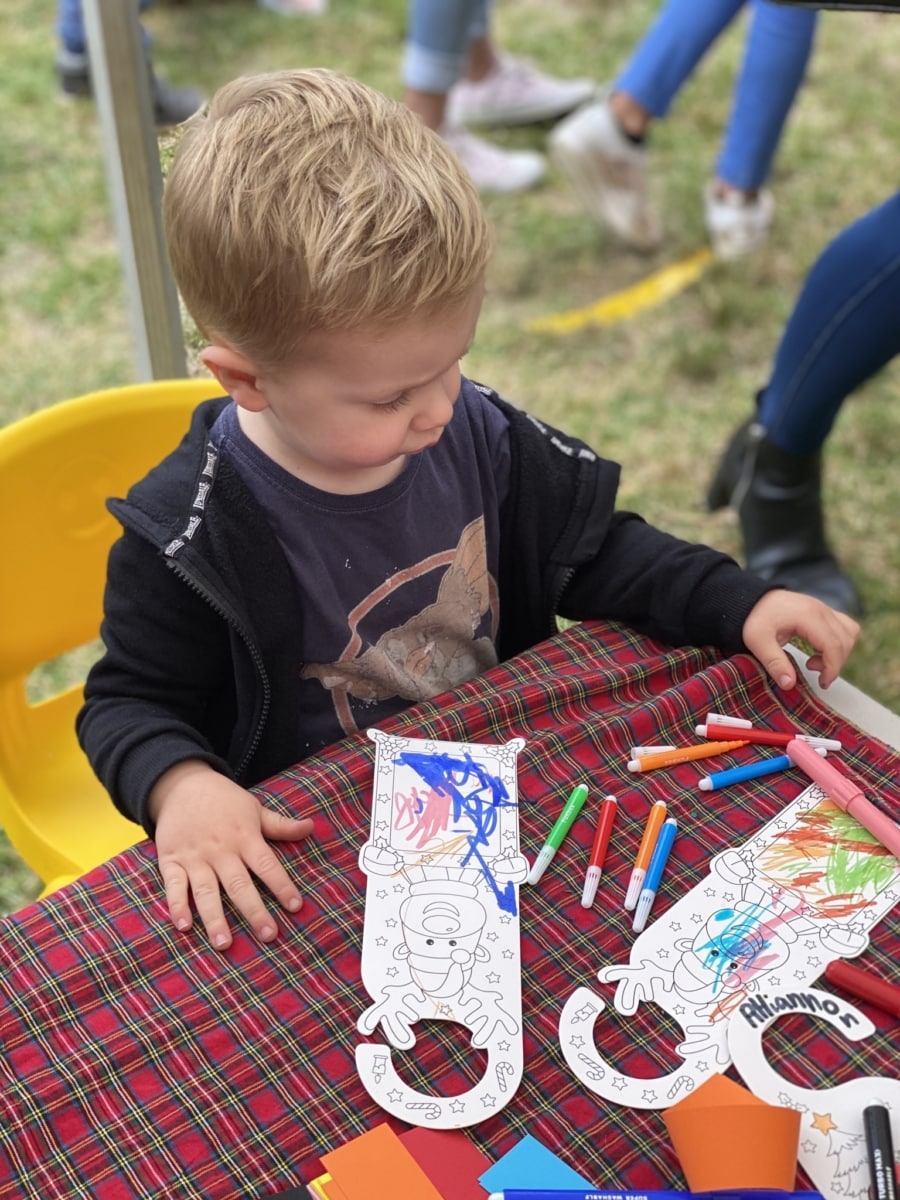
point(70, 24)
point(779, 43)
point(438, 34)
point(843, 329)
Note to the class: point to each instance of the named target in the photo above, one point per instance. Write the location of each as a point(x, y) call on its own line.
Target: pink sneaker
point(515, 93)
point(736, 225)
point(608, 172)
point(493, 168)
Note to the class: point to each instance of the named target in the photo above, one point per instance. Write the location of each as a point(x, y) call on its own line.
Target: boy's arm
point(681, 592)
point(687, 593)
point(160, 687)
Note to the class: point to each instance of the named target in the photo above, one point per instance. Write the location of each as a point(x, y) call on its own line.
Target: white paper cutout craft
point(441, 933)
point(832, 1148)
point(806, 889)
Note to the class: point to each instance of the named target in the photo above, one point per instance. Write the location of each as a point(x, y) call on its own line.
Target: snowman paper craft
point(441, 934)
point(832, 1149)
point(803, 891)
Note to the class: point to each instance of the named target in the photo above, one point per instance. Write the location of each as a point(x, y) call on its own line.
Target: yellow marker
point(648, 293)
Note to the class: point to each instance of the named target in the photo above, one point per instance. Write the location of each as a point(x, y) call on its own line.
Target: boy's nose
point(434, 410)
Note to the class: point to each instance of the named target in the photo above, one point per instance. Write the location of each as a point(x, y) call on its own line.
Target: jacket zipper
point(221, 609)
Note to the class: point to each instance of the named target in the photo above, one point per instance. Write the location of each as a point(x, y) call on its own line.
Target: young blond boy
point(358, 527)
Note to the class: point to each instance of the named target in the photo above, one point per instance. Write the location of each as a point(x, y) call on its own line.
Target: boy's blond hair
point(303, 201)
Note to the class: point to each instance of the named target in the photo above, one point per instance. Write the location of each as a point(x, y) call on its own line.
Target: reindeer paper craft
point(441, 934)
point(806, 889)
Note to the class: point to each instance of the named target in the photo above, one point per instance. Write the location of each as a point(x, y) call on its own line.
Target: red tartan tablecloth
point(136, 1062)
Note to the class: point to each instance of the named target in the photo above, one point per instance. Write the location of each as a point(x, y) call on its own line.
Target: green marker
point(564, 823)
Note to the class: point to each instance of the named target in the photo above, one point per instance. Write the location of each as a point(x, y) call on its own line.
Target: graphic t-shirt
point(396, 588)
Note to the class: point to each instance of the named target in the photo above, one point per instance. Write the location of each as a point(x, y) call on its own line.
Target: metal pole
point(121, 85)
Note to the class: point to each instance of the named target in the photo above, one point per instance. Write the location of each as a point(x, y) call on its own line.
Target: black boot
point(778, 499)
point(171, 105)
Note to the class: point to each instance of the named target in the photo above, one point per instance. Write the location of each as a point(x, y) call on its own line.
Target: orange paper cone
point(725, 1137)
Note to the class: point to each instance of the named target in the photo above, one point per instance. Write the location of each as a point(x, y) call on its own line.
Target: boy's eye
point(393, 405)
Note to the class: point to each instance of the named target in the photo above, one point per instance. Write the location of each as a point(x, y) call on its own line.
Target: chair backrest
point(57, 469)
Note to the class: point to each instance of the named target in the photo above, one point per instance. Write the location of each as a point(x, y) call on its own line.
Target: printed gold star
point(823, 1122)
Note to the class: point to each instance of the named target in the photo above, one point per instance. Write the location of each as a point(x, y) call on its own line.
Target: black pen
point(877, 1124)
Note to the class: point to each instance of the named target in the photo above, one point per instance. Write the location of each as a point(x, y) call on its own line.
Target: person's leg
point(435, 54)
point(738, 208)
point(843, 329)
point(667, 56)
point(171, 105)
point(778, 47)
point(601, 146)
point(434, 59)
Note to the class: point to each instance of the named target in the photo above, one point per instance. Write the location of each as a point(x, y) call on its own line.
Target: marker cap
point(541, 863)
point(591, 883)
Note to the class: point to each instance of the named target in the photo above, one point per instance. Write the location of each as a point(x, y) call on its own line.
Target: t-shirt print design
point(435, 649)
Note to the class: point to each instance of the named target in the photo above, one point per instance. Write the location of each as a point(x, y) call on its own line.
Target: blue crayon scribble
point(478, 806)
point(738, 947)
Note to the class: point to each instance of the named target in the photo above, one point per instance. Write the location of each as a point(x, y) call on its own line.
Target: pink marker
point(846, 794)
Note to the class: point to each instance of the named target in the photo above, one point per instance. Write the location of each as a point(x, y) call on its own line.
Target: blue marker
point(765, 766)
point(654, 873)
point(601, 1194)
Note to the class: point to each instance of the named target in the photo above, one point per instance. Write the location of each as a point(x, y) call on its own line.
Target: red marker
point(598, 851)
point(865, 985)
point(721, 731)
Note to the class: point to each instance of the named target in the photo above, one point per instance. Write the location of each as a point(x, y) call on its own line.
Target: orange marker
point(671, 758)
point(655, 819)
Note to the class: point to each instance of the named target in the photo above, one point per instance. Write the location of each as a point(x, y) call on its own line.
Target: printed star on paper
point(648, 1096)
point(457, 1106)
point(395, 1097)
point(381, 941)
point(494, 977)
point(391, 922)
point(823, 1122)
point(618, 1083)
point(492, 936)
point(576, 1042)
point(381, 894)
point(392, 972)
point(508, 954)
point(489, 1101)
point(503, 1047)
point(809, 1147)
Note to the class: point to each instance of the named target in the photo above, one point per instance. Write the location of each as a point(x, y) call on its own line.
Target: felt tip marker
point(561, 827)
point(846, 795)
point(671, 758)
point(655, 819)
point(602, 1194)
point(865, 985)
point(721, 731)
point(764, 766)
point(877, 1126)
point(654, 873)
point(598, 851)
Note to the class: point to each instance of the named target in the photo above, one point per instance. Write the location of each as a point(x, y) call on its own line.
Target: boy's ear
point(236, 374)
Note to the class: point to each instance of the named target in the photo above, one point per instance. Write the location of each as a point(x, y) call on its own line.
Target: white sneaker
point(515, 93)
point(737, 226)
point(607, 170)
point(492, 168)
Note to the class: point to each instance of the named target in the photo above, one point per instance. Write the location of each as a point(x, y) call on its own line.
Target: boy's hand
point(780, 616)
point(210, 835)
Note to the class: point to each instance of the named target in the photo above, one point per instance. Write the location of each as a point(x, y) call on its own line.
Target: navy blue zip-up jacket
point(201, 611)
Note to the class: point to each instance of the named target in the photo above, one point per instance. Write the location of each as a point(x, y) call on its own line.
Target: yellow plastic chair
point(57, 468)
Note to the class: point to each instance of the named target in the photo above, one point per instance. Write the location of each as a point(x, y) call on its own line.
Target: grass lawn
point(659, 393)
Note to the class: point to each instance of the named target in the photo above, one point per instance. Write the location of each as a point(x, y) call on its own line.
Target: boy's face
point(346, 418)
